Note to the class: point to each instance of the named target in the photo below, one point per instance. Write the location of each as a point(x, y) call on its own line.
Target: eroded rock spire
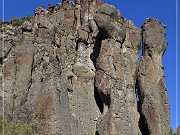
point(154, 107)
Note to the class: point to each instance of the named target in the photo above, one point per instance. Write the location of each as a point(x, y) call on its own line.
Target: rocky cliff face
point(73, 70)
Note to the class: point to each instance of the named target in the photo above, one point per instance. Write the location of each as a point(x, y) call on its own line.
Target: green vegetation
point(17, 127)
point(13, 127)
point(64, 1)
point(1, 22)
point(39, 116)
point(172, 132)
point(19, 21)
point(16, 21)
point(26, 18)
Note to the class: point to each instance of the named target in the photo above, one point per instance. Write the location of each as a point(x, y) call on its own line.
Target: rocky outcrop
point(154, 107)
point(73, 70)
point(116, 69)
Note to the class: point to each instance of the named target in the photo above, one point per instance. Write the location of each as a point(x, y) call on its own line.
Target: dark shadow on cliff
point(97, 133)
point(98, 100)
point(96, 49)
point(1, 61)
point(101, 99)
point(142, 120)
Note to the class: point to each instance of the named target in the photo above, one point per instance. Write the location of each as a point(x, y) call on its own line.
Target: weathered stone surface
point(27, 26)
point(73, 70)
point(154, 107)
point(110, 22)
point(115, 81)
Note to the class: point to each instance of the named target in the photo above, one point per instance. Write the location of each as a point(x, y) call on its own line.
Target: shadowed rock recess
point(73, 70)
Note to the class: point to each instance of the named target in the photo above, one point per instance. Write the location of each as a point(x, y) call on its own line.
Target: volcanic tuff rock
point(73, 70)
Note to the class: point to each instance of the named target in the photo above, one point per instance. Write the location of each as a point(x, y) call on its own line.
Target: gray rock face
point(73, 70)
point(154, 105)
point(115, 81)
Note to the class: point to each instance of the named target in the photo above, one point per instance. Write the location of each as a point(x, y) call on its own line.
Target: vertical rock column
point(154, 107)
point(116, 73)
point(82, 101)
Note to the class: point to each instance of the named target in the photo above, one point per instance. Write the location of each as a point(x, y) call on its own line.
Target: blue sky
point(135, 10)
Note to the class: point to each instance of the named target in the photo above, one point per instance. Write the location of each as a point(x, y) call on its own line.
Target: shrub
point(39, 116)
point(26, 17)
point(19, 21)
point(16, 21)
point(1, 21)
point(172, 132)
point(13, 127)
